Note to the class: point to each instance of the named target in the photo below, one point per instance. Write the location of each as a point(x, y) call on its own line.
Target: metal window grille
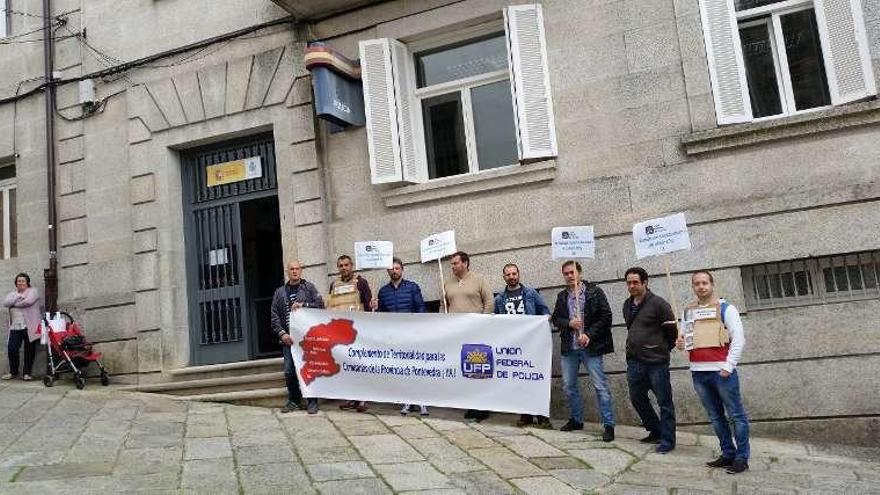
point(843, 277)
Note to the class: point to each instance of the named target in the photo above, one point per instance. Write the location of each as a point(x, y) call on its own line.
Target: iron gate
point(218, 301)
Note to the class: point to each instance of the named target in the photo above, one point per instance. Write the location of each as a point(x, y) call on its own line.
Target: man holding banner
point(400, 296)
point(349, 292)
point(651, 334)
point(468, 292)
point(518, 299)
point(296, 293)
point(583, 317)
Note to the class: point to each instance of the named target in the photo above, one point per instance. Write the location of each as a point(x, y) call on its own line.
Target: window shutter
point(415, 169)
point(530, 81)
point(845, 48)
point(726, 66)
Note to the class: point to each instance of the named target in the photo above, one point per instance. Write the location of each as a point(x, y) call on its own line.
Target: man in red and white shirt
point(714, 339)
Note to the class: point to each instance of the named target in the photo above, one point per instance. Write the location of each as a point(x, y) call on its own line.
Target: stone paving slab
point(61, 440)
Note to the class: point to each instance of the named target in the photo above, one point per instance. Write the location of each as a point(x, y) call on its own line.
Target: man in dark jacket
point(519, 299)
point(651, 334)
point(400, 296)
point(583, 317)
point(294, 294)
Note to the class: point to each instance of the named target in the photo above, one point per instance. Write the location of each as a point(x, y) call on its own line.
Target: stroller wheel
point(48, 380)
point(79, 381)
point(105, 378)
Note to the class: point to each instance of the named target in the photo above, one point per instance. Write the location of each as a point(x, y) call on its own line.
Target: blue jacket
point(406, 298)
point(534, 303)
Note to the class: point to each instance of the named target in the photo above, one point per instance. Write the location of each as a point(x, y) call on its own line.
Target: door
point(221, 307)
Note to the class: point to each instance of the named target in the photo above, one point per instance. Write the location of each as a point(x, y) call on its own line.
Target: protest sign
point(373, 254)
point(661, 236)
point(573, 242)
point(467, 361)
point(437, 246)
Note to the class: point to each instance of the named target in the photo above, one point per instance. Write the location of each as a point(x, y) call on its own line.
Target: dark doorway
point(263, 269)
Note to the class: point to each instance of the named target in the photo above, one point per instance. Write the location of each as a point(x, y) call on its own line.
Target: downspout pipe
point(50, 274)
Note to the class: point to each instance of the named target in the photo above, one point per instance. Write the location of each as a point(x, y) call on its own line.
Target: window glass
point(444, 135)
point(805, 63)
point(751, 4)
point(13, 225)
point(7, 172)
point(472, 58)
point(493, 125)
point(760, 70)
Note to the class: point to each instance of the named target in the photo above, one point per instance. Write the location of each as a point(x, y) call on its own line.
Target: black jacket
point(648, 340)
point(596, 316)
point(308, 295)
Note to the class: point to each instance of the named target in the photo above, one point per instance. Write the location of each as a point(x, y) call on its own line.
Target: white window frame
point(6, 186)
point(780, 57)
point(462, 86)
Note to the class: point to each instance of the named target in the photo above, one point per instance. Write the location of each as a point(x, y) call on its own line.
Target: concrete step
point(202, 386)
point(265, 397)
point(225, 370)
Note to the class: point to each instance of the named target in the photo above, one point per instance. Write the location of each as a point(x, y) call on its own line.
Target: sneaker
point(524, 420)
point(7, 376)
point(26, 378)
point(404, 410)
point(423, 411)
point(572, 425)
point(290, 407)
point(312, 407)
point(543, 423)
point(652, 437)
point(664, 449)
point(361, 407)
point(720, 462)
point(347, 405)
point(738, 466)
point(608, 434)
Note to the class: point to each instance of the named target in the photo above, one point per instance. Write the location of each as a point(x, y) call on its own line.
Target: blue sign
point(338, 99)
point(476, 361)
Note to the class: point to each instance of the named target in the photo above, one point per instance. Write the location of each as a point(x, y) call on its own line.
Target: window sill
point(832, 119)
point(460, 185)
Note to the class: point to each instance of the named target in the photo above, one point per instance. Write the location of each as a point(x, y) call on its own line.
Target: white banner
point(373, 254)
point(661, 236)
point(437, 246)
point(468, 361)
point(573, 242)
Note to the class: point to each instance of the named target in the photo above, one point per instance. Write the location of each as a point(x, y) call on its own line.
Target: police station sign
point(468, 361)
point(661, 236)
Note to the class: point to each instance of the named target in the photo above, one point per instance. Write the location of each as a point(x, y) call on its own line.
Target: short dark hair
point(508, 266)
point(25, 276)
point(396, 261)
point(641, 272)
point(343, 257)
point(463, 256)
point(577, 265)
point(706, 272)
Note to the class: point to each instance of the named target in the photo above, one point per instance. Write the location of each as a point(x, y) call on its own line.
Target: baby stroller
point(69, 351)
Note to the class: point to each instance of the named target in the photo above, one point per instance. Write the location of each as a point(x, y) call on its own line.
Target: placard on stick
point(437, 246)
point(573, 242)
point(373, 254)
point(661, 236)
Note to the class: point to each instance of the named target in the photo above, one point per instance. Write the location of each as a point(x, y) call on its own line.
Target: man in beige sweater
point(468, 292)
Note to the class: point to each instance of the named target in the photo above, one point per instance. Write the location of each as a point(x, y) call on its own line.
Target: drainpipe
point(50, 275)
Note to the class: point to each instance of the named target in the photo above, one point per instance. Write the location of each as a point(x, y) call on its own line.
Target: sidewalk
point(100, 440)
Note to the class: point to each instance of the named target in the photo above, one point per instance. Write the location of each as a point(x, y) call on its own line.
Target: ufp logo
point(569, 235)
point(369, 248)
point(653, 229)
point(476, 361)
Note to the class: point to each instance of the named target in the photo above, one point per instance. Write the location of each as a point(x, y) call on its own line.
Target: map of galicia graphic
point(317, 344)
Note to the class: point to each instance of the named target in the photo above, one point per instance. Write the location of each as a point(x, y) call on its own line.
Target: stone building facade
point(783, 208)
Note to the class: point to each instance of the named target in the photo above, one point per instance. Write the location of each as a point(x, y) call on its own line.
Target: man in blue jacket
point(517, 299)
point(400, 296)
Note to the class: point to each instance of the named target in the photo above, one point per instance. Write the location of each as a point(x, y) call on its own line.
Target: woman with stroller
point(24, 318)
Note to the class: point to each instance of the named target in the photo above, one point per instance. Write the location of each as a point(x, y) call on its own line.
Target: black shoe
point(572, 425)
point(312, 406)
point(608, 434)
point(720, 462)
point(664, 449)
point(524, 420)
point(470, 414)
point(543, 423)
point(290, 407)
point(652, 437)
point(481, 415)
point(738, 466)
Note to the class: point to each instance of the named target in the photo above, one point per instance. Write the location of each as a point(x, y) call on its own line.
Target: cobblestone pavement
point(60, 440)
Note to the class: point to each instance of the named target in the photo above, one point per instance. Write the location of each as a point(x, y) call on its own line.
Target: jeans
point(293, 392)
point(571, 362)
point(644, 377)
point(16, 339)
point(720, 395)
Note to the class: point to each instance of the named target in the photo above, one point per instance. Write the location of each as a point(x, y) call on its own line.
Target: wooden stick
point(442, 285)
point(672, 298)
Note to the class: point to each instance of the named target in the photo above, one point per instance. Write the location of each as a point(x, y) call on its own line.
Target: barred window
point(813, 280)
